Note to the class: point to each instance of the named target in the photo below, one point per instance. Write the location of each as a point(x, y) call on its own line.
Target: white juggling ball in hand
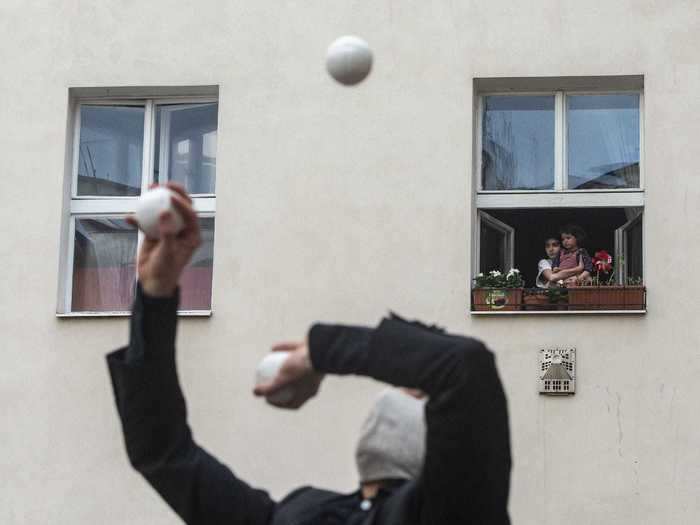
point(149, 208)
point(267, 370)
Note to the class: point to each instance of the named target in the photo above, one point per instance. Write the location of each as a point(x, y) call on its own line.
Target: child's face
point(569, 241)
point(552, 247)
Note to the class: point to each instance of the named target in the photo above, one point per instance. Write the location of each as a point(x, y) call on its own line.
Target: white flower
point(494, 273)
point(479, 274)
point(513, 271)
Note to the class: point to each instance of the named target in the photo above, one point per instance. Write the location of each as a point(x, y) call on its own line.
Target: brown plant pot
point(497, 299)
point(606, 298)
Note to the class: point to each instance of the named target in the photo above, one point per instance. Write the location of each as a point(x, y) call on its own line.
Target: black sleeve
point(466, 475)
point(158, 440)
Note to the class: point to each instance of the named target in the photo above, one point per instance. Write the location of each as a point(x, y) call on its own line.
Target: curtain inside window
point(104, 273)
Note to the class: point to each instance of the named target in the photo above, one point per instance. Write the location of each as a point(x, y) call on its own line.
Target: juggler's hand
point(297, 371)
point(160, 261)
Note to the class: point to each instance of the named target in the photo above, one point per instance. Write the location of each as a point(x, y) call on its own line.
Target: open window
point(628, 249)
point(550, 152)
point(515, 238)
point(497, 240)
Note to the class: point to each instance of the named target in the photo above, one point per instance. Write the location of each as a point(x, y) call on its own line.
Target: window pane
point(634, 251)
point(186, 145)
point(492, 249)
point(603, 141)
point(103, 265)
point(111, 150)
point(518, 143)
point(196, 280)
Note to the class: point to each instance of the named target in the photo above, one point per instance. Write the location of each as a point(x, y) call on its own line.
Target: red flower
point(602, 260)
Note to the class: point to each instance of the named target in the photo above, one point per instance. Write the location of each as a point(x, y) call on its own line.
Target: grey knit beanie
point(392, 439)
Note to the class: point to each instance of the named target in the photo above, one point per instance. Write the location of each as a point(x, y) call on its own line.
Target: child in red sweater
point(573, 255)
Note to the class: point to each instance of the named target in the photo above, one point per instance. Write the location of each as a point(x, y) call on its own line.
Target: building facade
point(337, 204)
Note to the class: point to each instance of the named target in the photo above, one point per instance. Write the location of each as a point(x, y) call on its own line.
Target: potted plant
point(496, 291)
point(558, 298)
point(604, 293)
point(535, 299)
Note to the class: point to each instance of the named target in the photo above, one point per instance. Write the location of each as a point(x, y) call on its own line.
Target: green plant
point(497, 279)
point(557, 295)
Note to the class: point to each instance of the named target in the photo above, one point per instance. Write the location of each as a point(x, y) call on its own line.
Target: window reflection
point(518, 143)
point(110, 150)
point(186, 146)
point(104, 270)
point(603, 141)
point(196, 280)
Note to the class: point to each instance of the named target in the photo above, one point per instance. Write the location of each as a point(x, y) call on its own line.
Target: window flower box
point(607, 298)
point(497, 299)
point(537, 300)
point(496, 291)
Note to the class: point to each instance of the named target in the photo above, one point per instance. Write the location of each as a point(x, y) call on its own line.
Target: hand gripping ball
point(267, 370)
point(149, 207)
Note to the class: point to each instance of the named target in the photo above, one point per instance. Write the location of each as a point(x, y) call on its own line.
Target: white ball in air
point(267, 370)
point(149, 208)
point(349, 60)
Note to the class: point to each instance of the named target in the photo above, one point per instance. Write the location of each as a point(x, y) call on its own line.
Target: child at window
point(573, 256)
point(546, 276)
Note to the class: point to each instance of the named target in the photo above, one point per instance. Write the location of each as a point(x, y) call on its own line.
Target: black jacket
point(466, 474)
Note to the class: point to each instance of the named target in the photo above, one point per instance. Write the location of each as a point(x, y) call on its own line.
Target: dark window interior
point(492, 257)
point(532, 227)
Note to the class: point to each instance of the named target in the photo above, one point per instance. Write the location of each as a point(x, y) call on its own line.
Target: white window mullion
point(139, 242)
point(479, 146)
point(559, 142)
point(123, 206)
point(68, 282)
point(76, 150)
point(164, 141)
point(641, 141)
point(148, 148)
point(568, 199)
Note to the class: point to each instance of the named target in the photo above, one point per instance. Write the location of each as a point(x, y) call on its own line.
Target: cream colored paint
point(336, 204)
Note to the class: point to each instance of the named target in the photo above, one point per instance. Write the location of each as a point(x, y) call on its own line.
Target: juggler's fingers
point(286, 346)
point(166, 226)
point(180, 190)
point(189, 217)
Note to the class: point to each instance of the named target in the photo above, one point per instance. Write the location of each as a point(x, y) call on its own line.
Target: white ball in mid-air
point(349, 60)
point(267, 370)
point(149, 208)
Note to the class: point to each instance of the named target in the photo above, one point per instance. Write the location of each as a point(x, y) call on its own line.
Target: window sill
point(559, 312)
point(180, 313)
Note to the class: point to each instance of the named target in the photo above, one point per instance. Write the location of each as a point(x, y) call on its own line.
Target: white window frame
point(621, 249)
point(164, 132)
point(115, 207)
point(559, 196)
point(508, 239)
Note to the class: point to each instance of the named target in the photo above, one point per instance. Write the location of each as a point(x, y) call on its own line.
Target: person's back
point(463, 477)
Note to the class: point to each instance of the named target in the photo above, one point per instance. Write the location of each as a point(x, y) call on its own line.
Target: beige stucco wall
point(338, 204)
